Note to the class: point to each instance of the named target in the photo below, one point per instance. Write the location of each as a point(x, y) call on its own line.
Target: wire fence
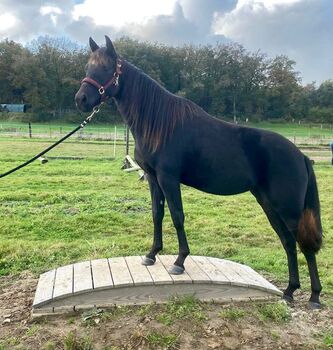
point(45, 131)
point(118, 137)
point(299, 134)
point(313, 140)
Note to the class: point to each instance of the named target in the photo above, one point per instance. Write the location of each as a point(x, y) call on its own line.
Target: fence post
point(114, 142)
point(30, 131)
point(127, 140)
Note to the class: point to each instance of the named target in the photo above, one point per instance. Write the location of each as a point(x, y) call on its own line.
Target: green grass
point(31, 331)
point(297, 130)
point(185, 308)
point(156, 339)
point(67, 211)
point(49, 346)
point(277, 312)
point(73, 342)
point(233, 313)
point(328, 339)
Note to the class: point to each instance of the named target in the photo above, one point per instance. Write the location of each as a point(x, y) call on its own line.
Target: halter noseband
point(102, 88)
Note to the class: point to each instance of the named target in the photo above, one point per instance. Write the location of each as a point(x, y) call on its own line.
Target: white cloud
point(7, 20)
point(46, 10)
point(117, 13)
point(52, 12)
point(269, 4)
point(299, 29)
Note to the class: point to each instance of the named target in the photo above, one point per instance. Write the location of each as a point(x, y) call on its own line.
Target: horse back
point(222, 158)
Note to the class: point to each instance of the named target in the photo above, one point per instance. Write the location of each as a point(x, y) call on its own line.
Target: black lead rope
point(81, 126)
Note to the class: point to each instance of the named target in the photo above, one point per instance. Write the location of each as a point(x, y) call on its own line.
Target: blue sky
point(301, 29)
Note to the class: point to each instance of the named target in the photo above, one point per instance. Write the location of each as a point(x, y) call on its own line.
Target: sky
point(300, 29)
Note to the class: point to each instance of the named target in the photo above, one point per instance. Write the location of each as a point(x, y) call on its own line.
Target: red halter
point(102, 88)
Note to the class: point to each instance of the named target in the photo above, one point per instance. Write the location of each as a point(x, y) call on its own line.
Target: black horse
point(178, 142)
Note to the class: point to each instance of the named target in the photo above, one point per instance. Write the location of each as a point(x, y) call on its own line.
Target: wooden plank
point(159, 273)
point(82, 277)
point(239, 270)
point(139, 272)
point(42, 312)
point(44, 289)
point(141, 174)
point(63, 284)
point(144, 294)
point(101, 274)
point(132, 162)
point(167, 261)
point(120, 273)
point(195, 272)
point(260, 279)
point(207, 278)
point(232, 274)
point(215, 274)
point(135, 168)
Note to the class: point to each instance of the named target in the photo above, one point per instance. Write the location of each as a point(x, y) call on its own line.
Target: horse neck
point(132, 101)
point(151, 112)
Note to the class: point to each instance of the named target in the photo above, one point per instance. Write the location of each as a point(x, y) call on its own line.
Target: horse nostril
point(81, 99)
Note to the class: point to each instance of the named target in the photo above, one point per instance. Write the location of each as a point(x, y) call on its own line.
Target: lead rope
point(81, 126)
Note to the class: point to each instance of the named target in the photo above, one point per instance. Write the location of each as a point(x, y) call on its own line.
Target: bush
point(322, 115)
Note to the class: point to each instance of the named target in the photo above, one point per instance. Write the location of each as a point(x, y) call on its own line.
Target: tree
point(9, 92)
point(225, 80)
point(282, 84)
point(29, 77)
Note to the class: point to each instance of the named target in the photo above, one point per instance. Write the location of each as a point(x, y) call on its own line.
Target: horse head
point(102, 76)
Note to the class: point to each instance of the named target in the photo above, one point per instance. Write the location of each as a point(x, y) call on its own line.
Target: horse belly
point(217, 182)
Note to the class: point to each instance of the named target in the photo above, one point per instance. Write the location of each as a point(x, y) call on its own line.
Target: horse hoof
point(176, 270)
point(287, 298)
point(148, 261)
point(314, 306)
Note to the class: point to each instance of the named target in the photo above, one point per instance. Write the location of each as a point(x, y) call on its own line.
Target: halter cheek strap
point(102, 88)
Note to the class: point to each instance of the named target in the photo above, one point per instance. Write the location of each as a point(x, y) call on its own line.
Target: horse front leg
point(172, 193)
point(158, 200)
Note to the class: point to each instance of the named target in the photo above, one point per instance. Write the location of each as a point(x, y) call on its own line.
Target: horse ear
point(110, 48)
point(93, 45)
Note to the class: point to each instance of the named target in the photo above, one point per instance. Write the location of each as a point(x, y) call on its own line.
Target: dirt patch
point(202, 326)
point(16, 296)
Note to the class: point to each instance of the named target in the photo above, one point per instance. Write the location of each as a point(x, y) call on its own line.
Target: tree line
point(226, 80)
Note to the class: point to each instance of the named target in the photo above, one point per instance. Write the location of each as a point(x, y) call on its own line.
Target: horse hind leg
point(310, 242)
point(304, 228)
point(314, 301)
point(289, 244)
point(294, 223)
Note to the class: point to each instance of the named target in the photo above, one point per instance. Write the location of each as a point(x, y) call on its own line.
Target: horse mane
point(152, 111)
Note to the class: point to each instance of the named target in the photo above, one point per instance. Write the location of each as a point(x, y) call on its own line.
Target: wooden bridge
point(125, 281)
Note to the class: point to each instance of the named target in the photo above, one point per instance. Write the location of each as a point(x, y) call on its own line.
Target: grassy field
point(298, 130)
point(70, 210)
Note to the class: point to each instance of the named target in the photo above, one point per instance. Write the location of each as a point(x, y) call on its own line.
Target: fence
point(315, 135)
point(115, 135)
point(30, 130)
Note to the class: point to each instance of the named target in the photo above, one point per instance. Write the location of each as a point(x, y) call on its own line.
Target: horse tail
point(309, 234)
